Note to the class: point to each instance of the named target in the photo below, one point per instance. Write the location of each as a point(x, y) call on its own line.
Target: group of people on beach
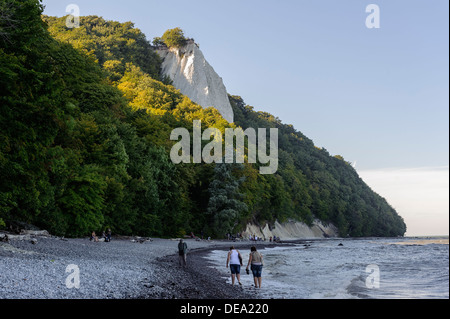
point(256, 238)
point(105, 236)
point(255, 262)
point(234, 262)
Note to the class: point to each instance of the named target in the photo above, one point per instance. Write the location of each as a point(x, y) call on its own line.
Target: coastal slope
point(87, 141)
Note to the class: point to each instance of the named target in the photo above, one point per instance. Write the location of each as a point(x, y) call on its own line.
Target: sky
point(378, 97)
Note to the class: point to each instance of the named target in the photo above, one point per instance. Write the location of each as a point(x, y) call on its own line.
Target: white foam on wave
point(282, 279)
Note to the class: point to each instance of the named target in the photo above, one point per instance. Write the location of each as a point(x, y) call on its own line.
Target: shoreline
point(200, 281)
point(36, 267)
point(207, 282)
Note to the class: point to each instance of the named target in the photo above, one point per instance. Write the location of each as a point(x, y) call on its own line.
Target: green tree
point(83, 201)
point(225, 202)
point(105, 41)
point(174, 38)
point(158, 41)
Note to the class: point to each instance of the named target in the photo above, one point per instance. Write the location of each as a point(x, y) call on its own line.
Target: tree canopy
point(85, 144)
point(174, 38)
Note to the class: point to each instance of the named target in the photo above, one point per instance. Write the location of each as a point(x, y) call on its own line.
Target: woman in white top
point(235, 261)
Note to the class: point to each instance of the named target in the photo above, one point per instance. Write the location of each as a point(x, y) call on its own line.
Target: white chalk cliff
point(292, 230)
point(195, 78)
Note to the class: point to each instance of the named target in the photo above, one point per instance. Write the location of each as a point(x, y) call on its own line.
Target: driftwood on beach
point(24, 235)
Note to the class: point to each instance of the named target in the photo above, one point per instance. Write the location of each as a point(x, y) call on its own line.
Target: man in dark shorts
point(182, 250)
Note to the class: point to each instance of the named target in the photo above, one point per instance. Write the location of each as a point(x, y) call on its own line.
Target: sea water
point(352, 268)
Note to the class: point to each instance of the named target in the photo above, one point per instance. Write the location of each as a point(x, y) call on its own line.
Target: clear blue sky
point(379, 97)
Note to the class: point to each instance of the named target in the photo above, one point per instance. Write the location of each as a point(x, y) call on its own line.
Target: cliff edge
point(195, 78)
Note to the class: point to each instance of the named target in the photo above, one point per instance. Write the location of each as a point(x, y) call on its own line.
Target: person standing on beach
point(234, 259)
point(182, 250)
point(256, 262)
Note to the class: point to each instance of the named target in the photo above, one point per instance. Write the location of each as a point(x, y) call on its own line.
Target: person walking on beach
point(256, 261)
point(234, 259)
point(182, 250)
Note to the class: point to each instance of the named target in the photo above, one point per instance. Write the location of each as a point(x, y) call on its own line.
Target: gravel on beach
point(48, 268)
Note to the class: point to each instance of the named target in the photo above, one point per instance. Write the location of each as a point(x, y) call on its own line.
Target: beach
point(47, 267)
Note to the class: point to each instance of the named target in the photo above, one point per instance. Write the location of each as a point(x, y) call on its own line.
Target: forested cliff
point(85, 119)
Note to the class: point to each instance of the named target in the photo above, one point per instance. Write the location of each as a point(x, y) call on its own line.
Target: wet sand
point(198, 280)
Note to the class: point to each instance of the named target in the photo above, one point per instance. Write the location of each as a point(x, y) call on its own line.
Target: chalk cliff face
point(195, 78)
point(292, 230)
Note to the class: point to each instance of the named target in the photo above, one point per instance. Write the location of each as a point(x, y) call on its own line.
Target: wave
point(326, 270)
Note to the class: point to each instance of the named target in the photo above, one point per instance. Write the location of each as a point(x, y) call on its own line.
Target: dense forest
point(85, 121)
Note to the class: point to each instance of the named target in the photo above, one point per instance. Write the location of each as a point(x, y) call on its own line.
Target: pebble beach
point(47, 267)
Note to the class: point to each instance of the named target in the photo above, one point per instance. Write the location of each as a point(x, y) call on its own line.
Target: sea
point(369, 268)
